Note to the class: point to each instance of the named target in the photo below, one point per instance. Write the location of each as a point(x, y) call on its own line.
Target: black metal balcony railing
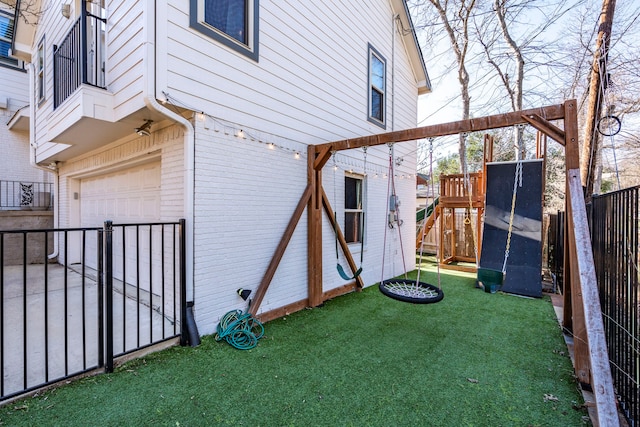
point(79, 59)
point(15, 195)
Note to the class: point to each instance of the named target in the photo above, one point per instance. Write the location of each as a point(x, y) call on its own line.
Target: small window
point(234, 23)
point(353, 208)
point(377, 87)
point(40, 64)
point(7, 29)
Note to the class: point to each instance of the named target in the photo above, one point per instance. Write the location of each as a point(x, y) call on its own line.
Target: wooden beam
point(552, 112)
point(322, 157)
point(279, 252)
point(282, 311)
point(602, 384)
point(340, 290)
point(545, 127)
point(341, 239)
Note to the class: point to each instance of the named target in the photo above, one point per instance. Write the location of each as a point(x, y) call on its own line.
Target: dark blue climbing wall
point(524, 265)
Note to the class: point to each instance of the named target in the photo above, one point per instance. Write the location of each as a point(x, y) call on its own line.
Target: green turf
point(474, 359)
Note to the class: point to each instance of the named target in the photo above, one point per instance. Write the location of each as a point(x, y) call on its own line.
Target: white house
point(156, 110)
point(15, 168)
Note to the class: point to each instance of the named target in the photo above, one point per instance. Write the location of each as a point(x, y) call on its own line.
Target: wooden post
point(314, 216)
point(572, 161)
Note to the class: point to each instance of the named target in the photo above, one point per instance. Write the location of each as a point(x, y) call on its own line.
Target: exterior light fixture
point(144, 129)
point(244, 293)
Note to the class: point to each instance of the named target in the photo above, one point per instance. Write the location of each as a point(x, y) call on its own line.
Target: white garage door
point(125, 196)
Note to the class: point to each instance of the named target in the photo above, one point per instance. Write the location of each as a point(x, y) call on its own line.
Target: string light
point(222, 126)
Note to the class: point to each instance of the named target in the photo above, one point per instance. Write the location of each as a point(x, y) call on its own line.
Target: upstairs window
point(7, 28)
point(40, 61)
point(234, 23)
point(353, 208)
point(377, 87)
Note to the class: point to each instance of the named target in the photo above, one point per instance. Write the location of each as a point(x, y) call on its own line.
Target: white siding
point(124, 65)
point(310, 83)
point(309, 86)
point(14, 145)
point(125, 55)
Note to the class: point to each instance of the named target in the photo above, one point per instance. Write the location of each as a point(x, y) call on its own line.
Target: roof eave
point(413, 47)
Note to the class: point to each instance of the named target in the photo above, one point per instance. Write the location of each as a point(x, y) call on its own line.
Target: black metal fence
point(16, 195)
point(113, 290)
point(614, 233)
point(80, 58)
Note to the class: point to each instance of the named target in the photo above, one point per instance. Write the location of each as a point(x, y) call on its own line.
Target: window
point(353, 208)
point(6, 37)
point(234, 23)
point(377, 87)
point(40, 88)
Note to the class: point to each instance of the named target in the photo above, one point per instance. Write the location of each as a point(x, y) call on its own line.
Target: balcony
point(80, 58)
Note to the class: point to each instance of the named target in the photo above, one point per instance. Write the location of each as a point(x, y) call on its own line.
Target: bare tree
point(455, 17)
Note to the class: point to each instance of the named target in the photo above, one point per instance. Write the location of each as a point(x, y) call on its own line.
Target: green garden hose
point(241, 330)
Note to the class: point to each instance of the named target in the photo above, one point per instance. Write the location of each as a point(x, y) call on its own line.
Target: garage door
point(125, 196)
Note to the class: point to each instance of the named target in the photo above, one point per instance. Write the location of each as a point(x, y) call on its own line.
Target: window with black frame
point(234, 23)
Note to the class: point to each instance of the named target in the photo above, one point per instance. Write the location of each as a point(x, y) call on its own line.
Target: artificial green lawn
point(474, 359)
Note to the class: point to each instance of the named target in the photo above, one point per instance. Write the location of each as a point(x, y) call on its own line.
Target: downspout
point(394, 29)
point(189, 148)
point(32, 160)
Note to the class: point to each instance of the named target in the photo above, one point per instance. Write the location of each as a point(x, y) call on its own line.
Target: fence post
point(183, 283)
point(100, 278)
point(108, 231)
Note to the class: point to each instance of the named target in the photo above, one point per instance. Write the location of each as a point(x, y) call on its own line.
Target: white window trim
point(197, 22)
point(371, 51)
point(363, 209)
point(41, 67)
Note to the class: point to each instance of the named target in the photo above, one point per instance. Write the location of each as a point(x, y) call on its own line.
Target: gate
point(113, 291)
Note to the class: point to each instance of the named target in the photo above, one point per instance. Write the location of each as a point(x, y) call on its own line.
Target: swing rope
point(405, 290)
point(467, 219)
point(343, 274)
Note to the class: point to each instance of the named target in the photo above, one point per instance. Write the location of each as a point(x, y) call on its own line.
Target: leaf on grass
point(473, 380)
point(550, 398)
point(20, 408)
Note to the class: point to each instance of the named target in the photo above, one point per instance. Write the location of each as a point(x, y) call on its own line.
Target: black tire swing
point(404, 289)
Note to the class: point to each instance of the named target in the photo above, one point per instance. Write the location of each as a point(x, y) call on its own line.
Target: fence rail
point(114, 290)
point(16, 195)
point(614, 227)
point(80, 58)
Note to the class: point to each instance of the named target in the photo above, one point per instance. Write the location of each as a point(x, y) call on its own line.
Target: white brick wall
point(245, 196)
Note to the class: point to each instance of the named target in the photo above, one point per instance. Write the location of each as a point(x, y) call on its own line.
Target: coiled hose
point(241, 330)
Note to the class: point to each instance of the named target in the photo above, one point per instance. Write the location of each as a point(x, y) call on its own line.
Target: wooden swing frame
point(582, 312)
